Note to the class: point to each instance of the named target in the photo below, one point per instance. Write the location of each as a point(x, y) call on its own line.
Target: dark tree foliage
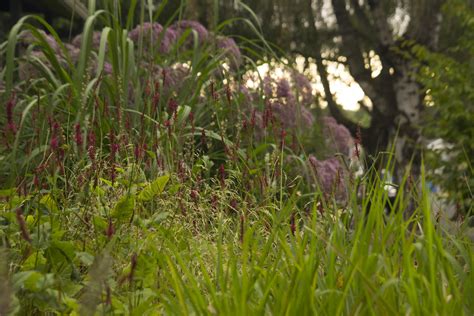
point(448, 74)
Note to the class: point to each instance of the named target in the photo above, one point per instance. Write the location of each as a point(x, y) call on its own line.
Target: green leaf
point(160, 217)
point(85, 258)
point(49, 203)
point(32, 280)
point(66, 248)
point(7, 192)
point(14, 202)
point(124, 207)
point(154, 188)
point(99, 223)
point(107, 182)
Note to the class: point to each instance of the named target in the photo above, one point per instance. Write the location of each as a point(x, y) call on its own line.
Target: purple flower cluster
point(285, 107)
point(297, 89)
point(148, 30)
point(77, 41)
point(182, 26)
point(268, 87)
point(169, 38)
point(303, 88)
point(231, 50)
point(73, 51)
point(28, 38)
point(283, 89)
point(28, 70)
point(154, 34)
point(291, 115)
point(329, 176)
point(337, 136)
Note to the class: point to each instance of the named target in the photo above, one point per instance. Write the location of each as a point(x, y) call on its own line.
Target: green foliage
point(448, 76)
point(154, 188)
point(123, 210)
point(120, 196)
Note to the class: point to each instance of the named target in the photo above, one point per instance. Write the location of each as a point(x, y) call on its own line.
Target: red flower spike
point(110, 230)
point(244, 124)
point(292, 224)
point(163, 74)
point(9, 111)
point(222, 174)
point(21, 222)
point(136, 152)
point(203, 139)
point(54, 143)
point(78, 135)
point(253, 118)
point(172, 105)
point(194, 195)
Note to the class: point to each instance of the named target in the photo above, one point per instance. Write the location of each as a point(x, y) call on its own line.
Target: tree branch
point(384, 31)
point(351, 48)
point(333, 107)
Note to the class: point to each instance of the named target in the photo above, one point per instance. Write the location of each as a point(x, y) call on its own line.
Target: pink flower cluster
point(303, 88)
point(281, 105)
point(330, 176)
point(182, 26)
point(338, 138)
point(292, 116)
point(230, 49)
point(153, 34)
point(96, 36)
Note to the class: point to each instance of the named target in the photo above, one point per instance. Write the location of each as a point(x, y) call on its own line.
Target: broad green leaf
point(32, 280)
point(66, 248)
point(99, 223)
point(24, 279)
point(154, 188)
point(124, 207)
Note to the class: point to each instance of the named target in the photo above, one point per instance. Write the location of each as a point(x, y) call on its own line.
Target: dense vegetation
point(151, 170)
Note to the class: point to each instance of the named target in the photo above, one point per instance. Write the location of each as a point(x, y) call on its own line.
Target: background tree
point(355, 32)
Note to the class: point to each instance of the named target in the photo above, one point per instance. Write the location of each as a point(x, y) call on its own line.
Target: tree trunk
point(396, 96)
